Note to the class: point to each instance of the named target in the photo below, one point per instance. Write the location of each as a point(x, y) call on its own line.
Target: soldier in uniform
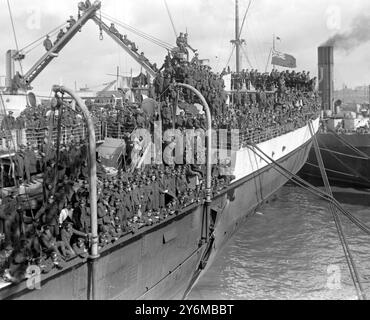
point(5, 255)
point(162, 190)
point(27, 164)
point(127, 202)
point(50, 243)
point(180, 42)
point(60, 35)
point(71, 22)
point(49, 214)
point(31, 156)
point(66, 235)
point(113, 29)
point(19, 165)
point(102, 211)
point(48, 45)
point(10, 219)
point(195, 61)
point(80, 248)
point(8, 122)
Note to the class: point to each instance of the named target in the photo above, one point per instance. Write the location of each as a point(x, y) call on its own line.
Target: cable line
point(231, 55)
point(346, 250)
point(42, 37)
point(245, 17)
point(170, 15)
point(138, 32)
point(15, 35)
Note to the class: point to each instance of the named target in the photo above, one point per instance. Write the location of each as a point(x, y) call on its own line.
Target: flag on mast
point(283, 60)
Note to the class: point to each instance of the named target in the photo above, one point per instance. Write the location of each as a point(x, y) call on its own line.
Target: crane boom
point(42, 63)
point(133, 54)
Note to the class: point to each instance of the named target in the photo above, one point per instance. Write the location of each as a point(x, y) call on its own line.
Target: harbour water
point(290, 250)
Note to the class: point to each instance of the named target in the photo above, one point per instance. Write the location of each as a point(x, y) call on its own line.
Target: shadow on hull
point(344, 167)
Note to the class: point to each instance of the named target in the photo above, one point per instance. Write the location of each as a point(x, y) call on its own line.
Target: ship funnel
point(10, 68)
point(326, 77)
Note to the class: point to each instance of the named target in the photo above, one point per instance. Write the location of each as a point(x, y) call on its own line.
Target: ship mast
point(238, 42)
point(237, 37)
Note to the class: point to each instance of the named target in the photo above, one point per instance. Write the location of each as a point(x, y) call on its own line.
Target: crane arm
point(133, 54)
point(42, 63)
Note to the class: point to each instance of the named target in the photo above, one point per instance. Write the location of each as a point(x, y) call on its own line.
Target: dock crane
point(88, 11)
point(137, 57)
point(43, 62)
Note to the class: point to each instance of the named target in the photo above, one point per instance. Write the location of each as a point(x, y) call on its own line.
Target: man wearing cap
point(8, 122)
point(32, 159)
point(66, 235)
point(60, 35)
point(71, 22)
point(50, 243)
point(48, 45)
point(80, 215)
point(195, 60)
point(113, 29)
point(80, 248)
point(49, 214)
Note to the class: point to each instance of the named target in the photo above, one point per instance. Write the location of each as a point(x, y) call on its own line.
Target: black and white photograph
point(189, 151)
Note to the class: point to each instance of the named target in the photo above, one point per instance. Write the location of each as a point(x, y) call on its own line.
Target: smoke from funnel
point(358, 34)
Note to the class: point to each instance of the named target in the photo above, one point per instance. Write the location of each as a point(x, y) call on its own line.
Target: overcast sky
point(302, 26)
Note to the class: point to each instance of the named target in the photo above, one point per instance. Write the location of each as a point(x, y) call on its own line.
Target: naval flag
point(283, 60)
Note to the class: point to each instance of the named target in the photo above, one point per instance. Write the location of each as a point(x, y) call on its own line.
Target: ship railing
point(11, 141)
point(254, 136)
point(118, 130)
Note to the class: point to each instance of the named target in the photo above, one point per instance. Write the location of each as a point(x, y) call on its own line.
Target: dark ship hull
point(162, 262)
point(344, 166)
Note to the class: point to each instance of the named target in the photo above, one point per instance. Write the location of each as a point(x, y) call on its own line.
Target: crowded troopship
point(58, 229)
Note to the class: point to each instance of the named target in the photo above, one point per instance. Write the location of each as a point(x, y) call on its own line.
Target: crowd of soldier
point(271, 81)
point(60, 229)
point(132, 45)
point(289, 105)
point(36, 118)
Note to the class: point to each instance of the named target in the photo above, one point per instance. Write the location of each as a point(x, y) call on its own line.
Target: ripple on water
point(285, 254)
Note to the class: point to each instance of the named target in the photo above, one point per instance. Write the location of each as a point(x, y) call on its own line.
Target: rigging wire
point(14, 34)
point(245, 17)
point(246, 56)
point(138, 32)
point(300, 182)
point(42, 37)
point(346, 250)
point(231, 55)
point(38, 44)
point(260, 61)
point(170, 15)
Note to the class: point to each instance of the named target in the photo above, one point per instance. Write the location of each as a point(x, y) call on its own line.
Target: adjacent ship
point(166, 260)
point(344, 138)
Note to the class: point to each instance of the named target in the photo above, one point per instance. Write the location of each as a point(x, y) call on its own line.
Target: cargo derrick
point(24, 82)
